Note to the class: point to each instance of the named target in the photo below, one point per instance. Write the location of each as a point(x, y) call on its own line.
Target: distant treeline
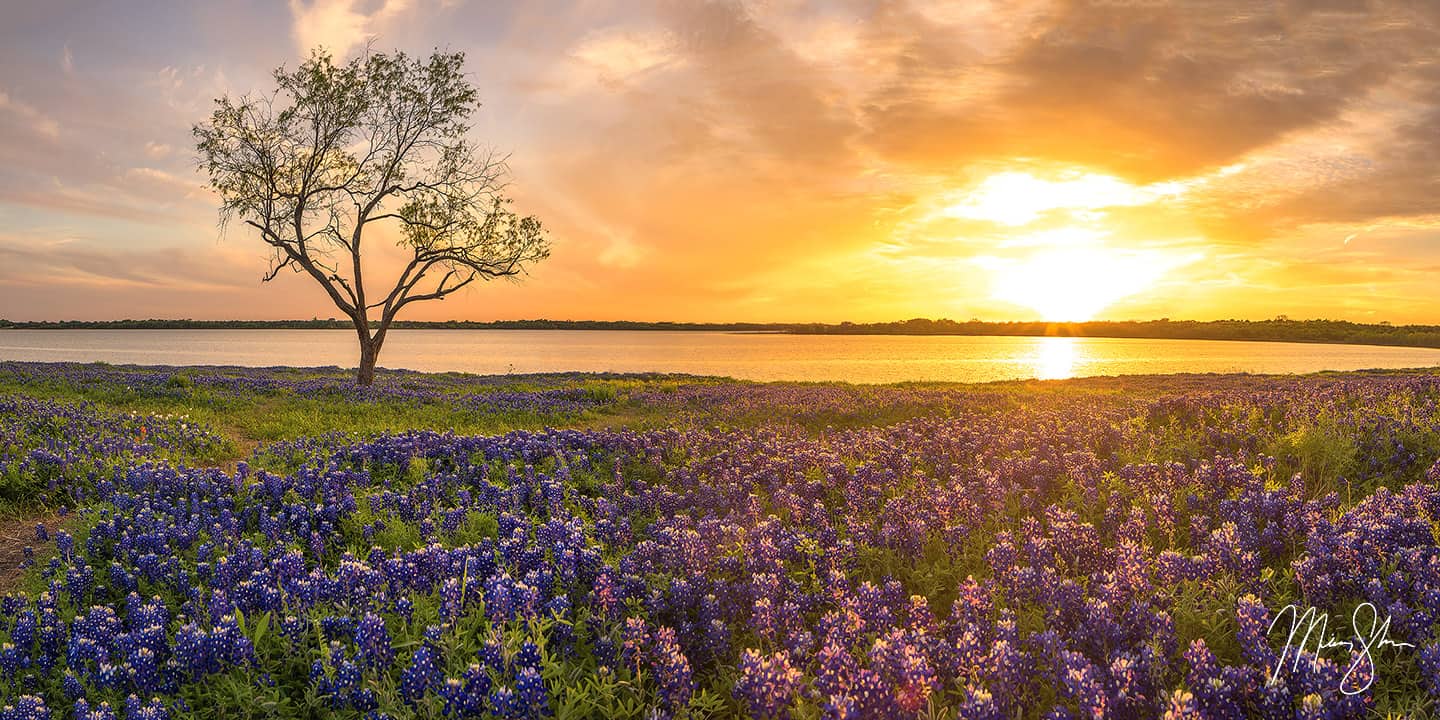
point(334, 324)
point(1279, 329)
point(1276, 330)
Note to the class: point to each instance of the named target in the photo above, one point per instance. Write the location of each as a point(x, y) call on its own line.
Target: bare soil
point(15, 534)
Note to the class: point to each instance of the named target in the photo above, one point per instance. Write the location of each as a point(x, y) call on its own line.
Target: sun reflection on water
point(1055, 358)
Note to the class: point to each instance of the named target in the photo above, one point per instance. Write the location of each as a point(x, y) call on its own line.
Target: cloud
point(1147, 90)
point(622, 252)
point(779, 159)
point(339, 25)
point(76, 263)
point(34, 120)
point(615, 56)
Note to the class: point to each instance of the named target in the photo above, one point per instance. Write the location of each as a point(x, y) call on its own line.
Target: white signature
point(1317, 624)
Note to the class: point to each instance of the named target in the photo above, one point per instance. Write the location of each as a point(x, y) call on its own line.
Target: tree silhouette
point(334, 150)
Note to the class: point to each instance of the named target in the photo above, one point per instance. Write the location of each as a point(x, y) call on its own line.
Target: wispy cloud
point(31, 118)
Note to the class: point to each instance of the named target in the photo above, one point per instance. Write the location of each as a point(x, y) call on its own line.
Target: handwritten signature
point(1316, 625)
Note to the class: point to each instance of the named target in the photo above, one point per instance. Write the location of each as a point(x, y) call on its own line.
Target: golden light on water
point(1055, 358)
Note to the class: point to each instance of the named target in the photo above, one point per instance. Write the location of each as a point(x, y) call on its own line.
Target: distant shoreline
point(1277, 330)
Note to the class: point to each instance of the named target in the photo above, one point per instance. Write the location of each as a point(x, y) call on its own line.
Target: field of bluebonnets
point(225, 542)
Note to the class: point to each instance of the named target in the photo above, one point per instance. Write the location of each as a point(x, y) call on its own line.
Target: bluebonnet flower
point(25, 707)
point(450, 598)
point(492, 655)
point(143, 669)
point(337, 627)
point(421, 675)
point(532, 692)
point(84, 711)
point(905, 665)
point(1181, 706)
point(671, 668)
point(1254, 625)
point(374, 641)
point(405, 608)
point(767, 683)
point(1428, 659)
point(459, 701)
point(839, 707)
point(433, 633)
point(528, 656)
point(979, 704)
point(1215, 691)
point(139, 710)
point(504, 703)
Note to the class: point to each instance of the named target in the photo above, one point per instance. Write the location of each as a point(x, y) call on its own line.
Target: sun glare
point(1057, 252)
point(1019, 198)
point(1054, 358)
point(1074, 284)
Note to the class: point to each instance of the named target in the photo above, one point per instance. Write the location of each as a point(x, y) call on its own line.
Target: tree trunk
point(370, 344)
point(365, 374)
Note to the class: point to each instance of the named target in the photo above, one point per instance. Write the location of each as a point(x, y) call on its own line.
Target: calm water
point(854, 358)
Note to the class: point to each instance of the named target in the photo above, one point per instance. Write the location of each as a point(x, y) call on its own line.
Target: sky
point(778, 160)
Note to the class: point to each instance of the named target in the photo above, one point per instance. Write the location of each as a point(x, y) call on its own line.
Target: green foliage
point(477, 526)
point(603, 393)
point(1323, 454)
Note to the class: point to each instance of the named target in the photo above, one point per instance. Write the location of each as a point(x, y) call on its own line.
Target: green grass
point(250, 420)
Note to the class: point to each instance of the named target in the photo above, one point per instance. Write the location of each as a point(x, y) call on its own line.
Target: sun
point(1054, 237)
point(1074, 284)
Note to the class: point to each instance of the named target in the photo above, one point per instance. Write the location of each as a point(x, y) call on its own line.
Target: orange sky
point(781, 160)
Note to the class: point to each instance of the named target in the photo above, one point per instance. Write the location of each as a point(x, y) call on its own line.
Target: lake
point(752, 356)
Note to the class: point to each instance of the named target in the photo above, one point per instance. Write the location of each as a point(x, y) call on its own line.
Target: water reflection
point(751, 356)
point(1055, 358)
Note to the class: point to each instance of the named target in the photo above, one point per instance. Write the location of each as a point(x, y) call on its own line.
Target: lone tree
point(336, 150)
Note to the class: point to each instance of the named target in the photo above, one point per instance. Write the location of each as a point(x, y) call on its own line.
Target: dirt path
point(245, 445)
point(15, 535)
